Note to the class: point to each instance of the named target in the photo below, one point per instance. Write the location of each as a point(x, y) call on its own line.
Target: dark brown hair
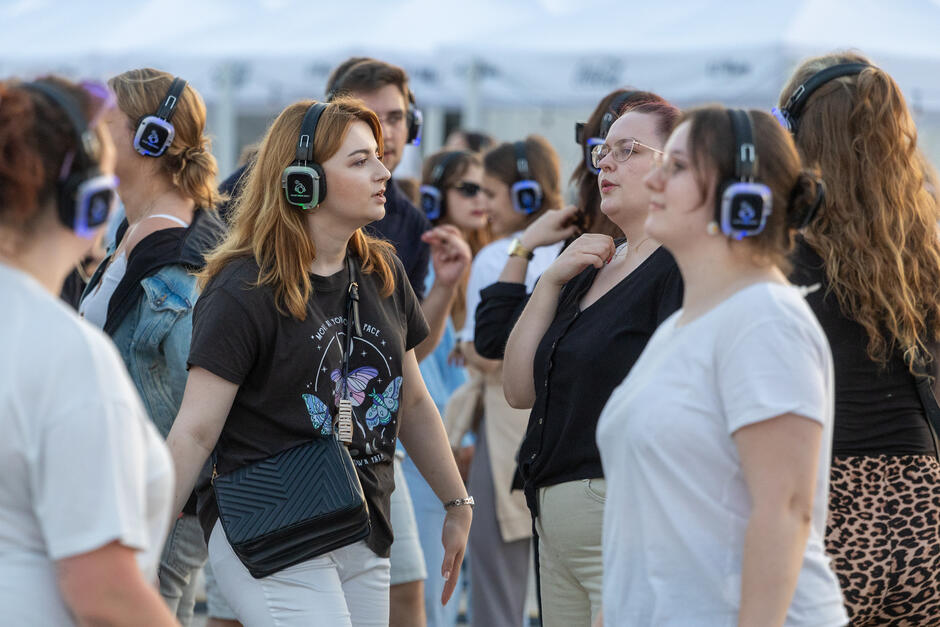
point(877, 229)
point(712, 149)
point(365, 74)
point(544, 168)
point(35, 138)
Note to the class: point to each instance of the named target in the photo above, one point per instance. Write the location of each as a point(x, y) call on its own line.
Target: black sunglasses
point(467, 189)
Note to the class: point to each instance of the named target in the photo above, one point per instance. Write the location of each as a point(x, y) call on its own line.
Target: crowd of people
point(704, 394)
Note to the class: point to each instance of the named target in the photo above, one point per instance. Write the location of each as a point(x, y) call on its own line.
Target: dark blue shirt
point(403, 225)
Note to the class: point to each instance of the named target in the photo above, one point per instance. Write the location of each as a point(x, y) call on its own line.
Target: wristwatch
point(459, 503)
point(516, 249)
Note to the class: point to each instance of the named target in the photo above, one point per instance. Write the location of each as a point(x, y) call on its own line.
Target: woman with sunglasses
point(715, 447)
point(452, 198)
point(85, 496)
point(587, 321)
point(142, 294)
point(873, 255)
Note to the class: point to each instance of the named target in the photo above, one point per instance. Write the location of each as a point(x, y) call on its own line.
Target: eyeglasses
point(667, 164)
point(621, 151)
point(467, 189)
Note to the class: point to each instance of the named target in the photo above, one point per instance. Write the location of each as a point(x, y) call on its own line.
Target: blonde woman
point(267, 367)
point(142, 294)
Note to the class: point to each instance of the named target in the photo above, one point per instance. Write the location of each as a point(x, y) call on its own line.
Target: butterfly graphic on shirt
point(383, 406)
point(319, 414)
point(356, 382)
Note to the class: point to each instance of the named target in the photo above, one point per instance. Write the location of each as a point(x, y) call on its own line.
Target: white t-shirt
point(488, 265)
point(677, 503)
point(81, 465)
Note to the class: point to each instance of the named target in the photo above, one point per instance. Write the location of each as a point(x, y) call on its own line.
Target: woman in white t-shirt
point(716, 446)
point(85, 495)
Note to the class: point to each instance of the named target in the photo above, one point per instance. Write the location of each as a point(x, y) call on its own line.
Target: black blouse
point(581, 358)
point(878, 410)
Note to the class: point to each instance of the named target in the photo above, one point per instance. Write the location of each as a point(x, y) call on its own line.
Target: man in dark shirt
point(384, 89)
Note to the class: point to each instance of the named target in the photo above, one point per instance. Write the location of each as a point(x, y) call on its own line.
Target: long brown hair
point(877, 229)
point(272, 231)
point(458, 162)
point(712, 148)
point(188, 162)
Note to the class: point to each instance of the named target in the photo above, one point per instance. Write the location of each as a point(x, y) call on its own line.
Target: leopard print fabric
point(883, 535)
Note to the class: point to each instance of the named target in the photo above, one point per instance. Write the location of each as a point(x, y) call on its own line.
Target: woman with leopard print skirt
point(871, 261)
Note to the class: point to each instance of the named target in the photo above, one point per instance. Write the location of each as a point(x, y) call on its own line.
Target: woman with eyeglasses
point(501, 306)
point(715, 447)
point(873, 256)
point(587, 321)
point(452, 198)
point(87, 481)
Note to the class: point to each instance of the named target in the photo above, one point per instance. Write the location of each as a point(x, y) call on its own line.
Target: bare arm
point(519, 359)
point(206, 403)
point(450, 255)
point(473, 359)
point(422, 433)
point(105, 587)
point(518, 381)
point(779, 458)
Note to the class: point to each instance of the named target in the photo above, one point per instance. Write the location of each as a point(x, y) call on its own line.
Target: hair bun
point(806, 197)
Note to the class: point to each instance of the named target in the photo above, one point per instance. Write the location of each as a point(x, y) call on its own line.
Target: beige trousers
point(570, 562)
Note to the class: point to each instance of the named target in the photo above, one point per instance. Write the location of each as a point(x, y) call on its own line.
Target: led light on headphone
point(431, 200)
point(782, 117)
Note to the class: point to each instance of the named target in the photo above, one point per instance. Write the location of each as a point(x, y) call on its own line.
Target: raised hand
point(550, 227)
point(450, 253)
point(591, 249)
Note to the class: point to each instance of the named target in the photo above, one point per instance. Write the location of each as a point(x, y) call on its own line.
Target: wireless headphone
point(610, 116)
point(84, 196)
point(155, 132)
point(303, 181)
point(414, 119)
point(432, 196)
point(744, 204)
point(526, 193)
point(789, 114)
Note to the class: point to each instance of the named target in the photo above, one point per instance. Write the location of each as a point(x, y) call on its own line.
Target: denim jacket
point(150, 316)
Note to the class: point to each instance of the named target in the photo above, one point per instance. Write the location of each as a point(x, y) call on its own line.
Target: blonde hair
point(877, 228)
point(272, 231)
point(188, 161)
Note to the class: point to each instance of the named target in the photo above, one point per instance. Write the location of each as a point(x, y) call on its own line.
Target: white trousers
point(344, 588)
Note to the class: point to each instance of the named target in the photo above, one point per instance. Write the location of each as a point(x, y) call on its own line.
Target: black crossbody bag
point(300, 503)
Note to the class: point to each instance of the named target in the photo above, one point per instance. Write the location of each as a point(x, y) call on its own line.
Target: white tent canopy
point(257, 55)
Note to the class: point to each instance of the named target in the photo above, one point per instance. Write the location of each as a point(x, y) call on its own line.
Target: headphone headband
point(745, 152)
point(793, 108)
point(308, 130)
point(437, 174)
point(86, 141)
point(168, 107)
point(522, 162)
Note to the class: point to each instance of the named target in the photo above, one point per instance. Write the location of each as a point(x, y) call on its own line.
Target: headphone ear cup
point(304, 185)
point(526, 196)
point(414, 120)
point(719, 201)
point(321, 196)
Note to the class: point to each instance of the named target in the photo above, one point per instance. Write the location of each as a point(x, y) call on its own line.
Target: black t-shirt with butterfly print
point(289, 374)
